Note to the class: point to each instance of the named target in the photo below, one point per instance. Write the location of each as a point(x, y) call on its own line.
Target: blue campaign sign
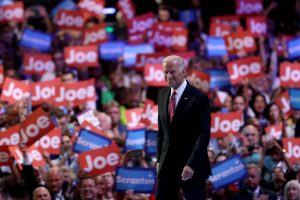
point(228, 172)
point(111, 50)
point(88, 140)
point(151, 143)
point(188, 16)
point(130, 52)
point(294, 48)
point(63, 5)
point(216, 46)
point(140, 180)
point(295, 98)
point(219, 78)
point(135, 139)
point(36, 40)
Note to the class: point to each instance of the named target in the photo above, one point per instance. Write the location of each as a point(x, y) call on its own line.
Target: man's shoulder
point(196, 92)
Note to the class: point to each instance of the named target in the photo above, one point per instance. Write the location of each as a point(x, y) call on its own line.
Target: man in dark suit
point(183, 135)
point(252, 190)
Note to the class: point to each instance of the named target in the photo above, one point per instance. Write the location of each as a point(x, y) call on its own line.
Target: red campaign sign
point(275, 131)
point(248, 7)
point(38, 63)
point(199, 79)
point(69, 19)
point(141, 23)
point(250, 67)
point(220, 30)
point(14, 90)
point(242, 41)
point(138, 38)
point(133, 117)
point(160, 39)
point(284, 103)
point(154, 75)
point(81, 56)
point(257, 25)
point(36, 125)
point(231, 20)
point(5, 157)
point(224, 124)
point(75, 94)
point(93, 7)
point(292, 149)
point(170, 26)
point(95, 35)
point(34, 155)
point(154, 118)
point(99, 161)
point(44, 91)
point(50, 143)
point(10, 137)
point(179, 41)
point(1, 76)
point(289, 74)
point(12, 13)
point(147, 110)
point(127, 8)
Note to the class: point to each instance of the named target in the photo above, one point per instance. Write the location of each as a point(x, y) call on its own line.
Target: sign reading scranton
point(88, 140)
point(135, 139)
point(140, 180)
point(228, 172)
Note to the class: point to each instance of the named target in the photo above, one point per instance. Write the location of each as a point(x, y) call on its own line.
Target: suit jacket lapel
point(165, 104)
point(183, 101)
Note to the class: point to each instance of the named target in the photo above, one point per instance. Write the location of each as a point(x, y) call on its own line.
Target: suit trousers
point(168, 188)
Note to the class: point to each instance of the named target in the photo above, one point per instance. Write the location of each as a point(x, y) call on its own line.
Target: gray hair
point(291, 183)
point(176, 60)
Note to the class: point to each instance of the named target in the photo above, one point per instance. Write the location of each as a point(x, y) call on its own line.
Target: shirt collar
point(180, 89)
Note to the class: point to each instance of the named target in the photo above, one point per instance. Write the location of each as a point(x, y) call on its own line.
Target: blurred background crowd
point(268, 113)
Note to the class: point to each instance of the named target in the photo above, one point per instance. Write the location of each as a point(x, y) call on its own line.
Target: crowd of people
point(270, 172)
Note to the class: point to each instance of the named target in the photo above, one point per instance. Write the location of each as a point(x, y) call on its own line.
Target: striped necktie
point(172, 105)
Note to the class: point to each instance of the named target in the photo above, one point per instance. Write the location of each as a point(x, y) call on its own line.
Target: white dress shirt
point(179, 92)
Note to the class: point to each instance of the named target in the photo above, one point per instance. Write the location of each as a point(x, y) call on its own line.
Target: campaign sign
point(37, 63)
point(289, 74)
point(81, 56)
point(223, 124)
point(93, 7)
point(228, 171)
point(250, 67)
point(99, 161)
point(293, 47)
point(292, 149)
point(95, 34)
point(216, 46)
point(274, 130)
point(295, 98)
point(88, 140)
point(10, 137)
point(248, 7)
point(140, 24)
point(199, 79)
point(5, 158)
point(12, 12)
point(138, 179)
point(284, 103)
point(154, 75)
point(36, 125)
point(1, 76)
point(151, 143)
point(88, 115)
point(240, 41)
point(149, 116)
point(130, 52)
point(34, 155)
point(127, 8)
point(257, 25)
point(231, 20)
point(219, 78)
point(14, 90)
point(133, 118)
point(188, 16)
point(135, 139)
point(70, 20)
point(111, 50)
point(63, 5)
point(50, 143)
point(44, 91)
point(36, 40)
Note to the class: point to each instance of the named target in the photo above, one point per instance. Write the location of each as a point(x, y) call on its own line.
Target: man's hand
point(187, 173)
point(157, 167)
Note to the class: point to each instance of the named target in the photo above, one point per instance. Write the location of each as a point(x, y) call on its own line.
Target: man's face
point(66, 143)
point(251, 134)
point(68, 78)
point(88, 189)
point(174, 75)
point(54, 181)
point(253, 179)
point(41, 193)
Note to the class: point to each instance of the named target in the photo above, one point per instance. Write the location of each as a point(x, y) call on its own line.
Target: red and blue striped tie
point(172, 105)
